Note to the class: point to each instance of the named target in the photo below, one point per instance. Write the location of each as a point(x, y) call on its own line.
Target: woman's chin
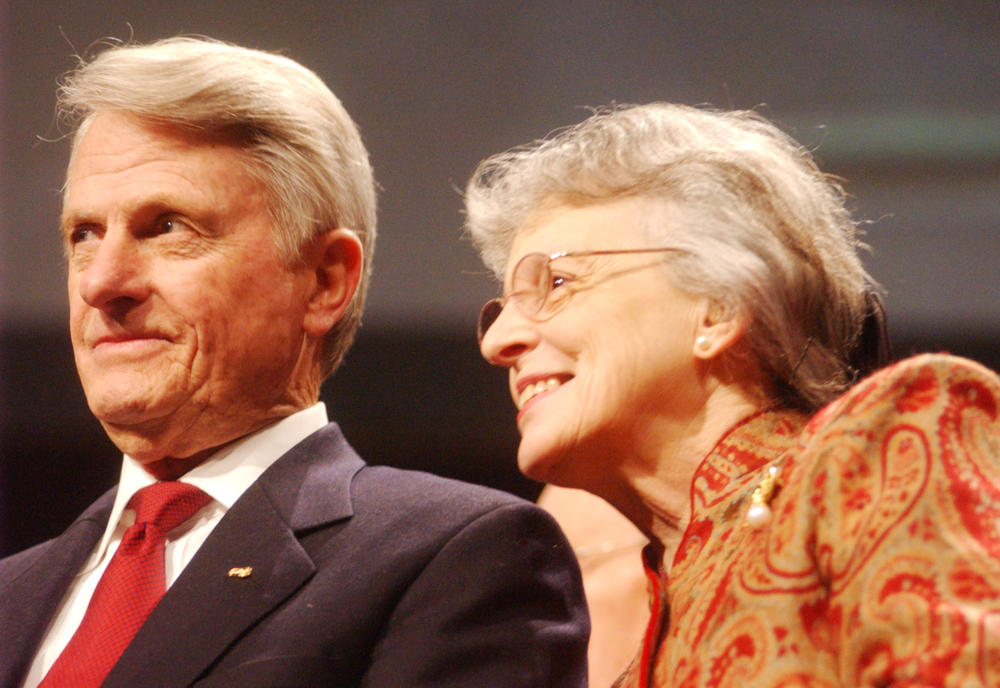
point(545, 467)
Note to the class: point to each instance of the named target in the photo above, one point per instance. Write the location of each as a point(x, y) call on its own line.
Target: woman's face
point(598, 378)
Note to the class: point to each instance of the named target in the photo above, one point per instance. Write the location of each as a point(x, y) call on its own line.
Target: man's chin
point(135, 439)
point(132, 425)
point(124, 415)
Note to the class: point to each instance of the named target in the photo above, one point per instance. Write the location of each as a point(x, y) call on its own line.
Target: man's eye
point(81, 234)
point(169, 223)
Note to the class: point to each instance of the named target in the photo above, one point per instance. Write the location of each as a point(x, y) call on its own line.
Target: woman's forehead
point(554, 228)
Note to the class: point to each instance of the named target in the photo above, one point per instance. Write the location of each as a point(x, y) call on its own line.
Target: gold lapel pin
point(240, 571)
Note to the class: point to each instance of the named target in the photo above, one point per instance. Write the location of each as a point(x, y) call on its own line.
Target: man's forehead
point(121, 156)
point(113, 138)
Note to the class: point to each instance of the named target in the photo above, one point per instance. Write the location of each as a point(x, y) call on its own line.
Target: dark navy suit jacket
point(361, 576)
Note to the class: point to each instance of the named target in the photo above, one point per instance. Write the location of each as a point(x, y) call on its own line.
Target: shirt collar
point(226, 474)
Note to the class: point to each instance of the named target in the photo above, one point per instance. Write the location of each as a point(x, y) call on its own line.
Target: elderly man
point(218, 223)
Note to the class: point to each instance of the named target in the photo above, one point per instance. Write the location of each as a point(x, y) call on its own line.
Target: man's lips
point(126, 340)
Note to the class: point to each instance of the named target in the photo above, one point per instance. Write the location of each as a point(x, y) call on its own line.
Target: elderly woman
point(685, 320)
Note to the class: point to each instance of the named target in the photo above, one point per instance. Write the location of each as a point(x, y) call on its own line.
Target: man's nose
point(115, 273)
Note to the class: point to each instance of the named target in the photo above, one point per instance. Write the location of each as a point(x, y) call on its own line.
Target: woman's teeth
point(536, 388)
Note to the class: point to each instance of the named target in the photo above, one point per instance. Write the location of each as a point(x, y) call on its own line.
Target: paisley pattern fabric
point(881, 564)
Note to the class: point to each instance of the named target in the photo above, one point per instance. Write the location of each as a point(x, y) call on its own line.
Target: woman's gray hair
point(300, 141)
point(767, 236)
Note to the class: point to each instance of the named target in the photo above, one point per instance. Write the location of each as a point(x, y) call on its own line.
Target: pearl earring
point(702, 343)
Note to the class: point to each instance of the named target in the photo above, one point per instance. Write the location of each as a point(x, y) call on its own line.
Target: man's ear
point(337, 259)
point(717, 331)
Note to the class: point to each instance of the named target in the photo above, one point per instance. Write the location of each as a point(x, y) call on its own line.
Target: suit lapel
point(207, 608)
point(34, 591)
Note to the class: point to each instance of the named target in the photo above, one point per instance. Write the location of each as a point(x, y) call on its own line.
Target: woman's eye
point(558, 281)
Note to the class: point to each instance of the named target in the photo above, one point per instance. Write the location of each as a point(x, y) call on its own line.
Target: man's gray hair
point(768, 236)
point(299, 140)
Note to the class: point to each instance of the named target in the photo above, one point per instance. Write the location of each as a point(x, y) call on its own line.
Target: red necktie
point(129, 589)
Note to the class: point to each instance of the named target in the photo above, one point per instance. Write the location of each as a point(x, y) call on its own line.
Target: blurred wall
point(902, 99)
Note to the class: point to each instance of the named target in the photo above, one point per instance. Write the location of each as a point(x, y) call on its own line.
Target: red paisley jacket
point(881, 564)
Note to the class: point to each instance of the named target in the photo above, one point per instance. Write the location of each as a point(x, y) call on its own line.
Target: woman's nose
point(509, 337)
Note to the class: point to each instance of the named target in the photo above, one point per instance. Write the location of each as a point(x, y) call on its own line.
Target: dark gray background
point(902, 99)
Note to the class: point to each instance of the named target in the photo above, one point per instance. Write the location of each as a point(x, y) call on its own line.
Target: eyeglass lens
point(487, 316)
point(531, 284)
point(529, 288)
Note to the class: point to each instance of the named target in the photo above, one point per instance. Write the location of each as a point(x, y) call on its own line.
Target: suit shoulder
point(424, 515)
point(15, 564)
point(407, 501)
point(92, 520)
point(417, 489)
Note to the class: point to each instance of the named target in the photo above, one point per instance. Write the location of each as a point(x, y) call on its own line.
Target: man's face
point(187, 327)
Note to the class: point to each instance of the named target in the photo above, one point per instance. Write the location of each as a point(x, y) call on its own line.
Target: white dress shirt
point(224, 476)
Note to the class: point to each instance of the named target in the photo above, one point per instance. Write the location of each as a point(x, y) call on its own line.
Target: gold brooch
point(759, 512)
point(240, 571)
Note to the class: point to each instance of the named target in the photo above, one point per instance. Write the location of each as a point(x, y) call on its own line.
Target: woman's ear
point(717, 331)
point(338, 260)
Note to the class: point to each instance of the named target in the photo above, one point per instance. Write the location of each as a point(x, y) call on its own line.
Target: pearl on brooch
point(758, 516)
point(759, 513)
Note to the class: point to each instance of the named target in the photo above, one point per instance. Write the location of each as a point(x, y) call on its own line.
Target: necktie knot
point(167, 504)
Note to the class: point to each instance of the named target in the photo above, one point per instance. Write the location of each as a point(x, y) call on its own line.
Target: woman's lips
point(533, 389)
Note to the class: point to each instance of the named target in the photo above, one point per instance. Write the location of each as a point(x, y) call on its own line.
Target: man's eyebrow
point(75, 218)
point(150, 206)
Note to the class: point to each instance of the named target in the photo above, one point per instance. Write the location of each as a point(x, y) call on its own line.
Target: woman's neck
point(654, 490)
